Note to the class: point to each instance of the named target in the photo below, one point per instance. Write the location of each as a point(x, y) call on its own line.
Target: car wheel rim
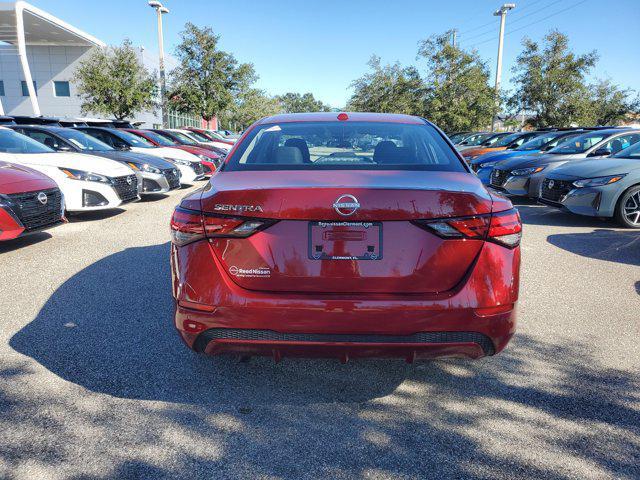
point(632, 209)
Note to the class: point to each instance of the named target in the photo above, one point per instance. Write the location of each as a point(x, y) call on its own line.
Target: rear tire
point(628, 208)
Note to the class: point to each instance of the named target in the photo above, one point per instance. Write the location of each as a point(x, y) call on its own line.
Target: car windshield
point(492, 139)
point(458, 137)
point(13, 142)
point(579, 144)
point(184, 138)
point(215, 135)
point(159, 139)
point(508, 140)
point(629, 152)
point(133, 140)
point(477, 139)
point(537, 142)
point(198, 136)
point(342, 145)
point(83, 141)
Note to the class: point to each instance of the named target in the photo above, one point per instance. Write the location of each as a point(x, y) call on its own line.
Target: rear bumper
point(213, 315)
point(423, 345)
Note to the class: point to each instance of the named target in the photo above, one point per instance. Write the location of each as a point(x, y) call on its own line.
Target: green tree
point(113, 82)
point(297, 103)
point(550, 81)
point(207, 79)
point(458, 96)
point(388, 89)
point(609, 105)
point(250, 105)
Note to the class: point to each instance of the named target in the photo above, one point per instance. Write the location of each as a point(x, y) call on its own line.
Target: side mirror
point(464, 143)
point(600, 152)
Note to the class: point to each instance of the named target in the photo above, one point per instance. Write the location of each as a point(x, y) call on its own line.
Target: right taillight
point(188, 226)
point(503, 228)
point(506, 228)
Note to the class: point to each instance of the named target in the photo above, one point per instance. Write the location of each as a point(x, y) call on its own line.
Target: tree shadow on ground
point(537, 410)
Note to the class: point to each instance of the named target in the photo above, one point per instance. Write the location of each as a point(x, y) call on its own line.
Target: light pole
point(502, 13)
point(161, 9)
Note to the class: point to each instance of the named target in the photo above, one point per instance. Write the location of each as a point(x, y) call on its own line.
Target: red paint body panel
point(423, 283)
point(197, 278)
point(18, 179)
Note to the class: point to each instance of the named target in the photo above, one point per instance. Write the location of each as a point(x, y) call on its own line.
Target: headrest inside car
point(287, 155)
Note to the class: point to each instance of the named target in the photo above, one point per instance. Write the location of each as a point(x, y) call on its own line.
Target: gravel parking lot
point(94, 383)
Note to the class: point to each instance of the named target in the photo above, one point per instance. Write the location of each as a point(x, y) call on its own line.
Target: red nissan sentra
point(345, 235)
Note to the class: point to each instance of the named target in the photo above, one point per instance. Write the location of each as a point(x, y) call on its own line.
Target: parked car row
point(53, 167)
point(592, 171)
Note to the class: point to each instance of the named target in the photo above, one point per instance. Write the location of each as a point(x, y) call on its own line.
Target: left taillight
point(504, 228)
point(188, 226)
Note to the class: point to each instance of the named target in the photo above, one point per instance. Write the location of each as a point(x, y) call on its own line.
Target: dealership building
point(39, 54)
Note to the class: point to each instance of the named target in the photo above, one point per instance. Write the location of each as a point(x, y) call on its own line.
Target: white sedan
point(86, 181)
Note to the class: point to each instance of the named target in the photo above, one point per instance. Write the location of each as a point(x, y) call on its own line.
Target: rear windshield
point(344, 146)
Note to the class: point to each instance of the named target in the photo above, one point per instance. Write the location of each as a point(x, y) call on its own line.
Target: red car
point(345, 235)
point(29, 201)
point(210, 160)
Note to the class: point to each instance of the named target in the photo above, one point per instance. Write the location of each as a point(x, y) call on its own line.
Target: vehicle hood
point(597, 168)
point(166, 152)
point(481, 150)
point(501, 155)
point(19, 178)
point(135, 158)
point(77, 161)
point(526, 161)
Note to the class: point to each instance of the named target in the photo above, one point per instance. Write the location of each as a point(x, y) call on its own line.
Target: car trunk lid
point(320, 244)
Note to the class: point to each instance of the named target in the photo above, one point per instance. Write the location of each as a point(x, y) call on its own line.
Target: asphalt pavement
point(94, 382)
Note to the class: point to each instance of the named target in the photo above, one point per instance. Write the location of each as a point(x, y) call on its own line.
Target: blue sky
point(321, 46)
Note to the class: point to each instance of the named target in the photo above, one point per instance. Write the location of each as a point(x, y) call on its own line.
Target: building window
point(25, 90)
point(1, 88)
point(61, 89)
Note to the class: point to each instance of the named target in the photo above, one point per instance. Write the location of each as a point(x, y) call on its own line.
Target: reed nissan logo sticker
point(346, 205)
point(259, 272)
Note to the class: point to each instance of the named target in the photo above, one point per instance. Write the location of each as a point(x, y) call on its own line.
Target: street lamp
point(502, 13)
point(160, 9)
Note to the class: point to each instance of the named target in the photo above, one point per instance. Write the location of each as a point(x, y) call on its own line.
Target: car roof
point(609, 131)
point(51, 128)
point(333, 117)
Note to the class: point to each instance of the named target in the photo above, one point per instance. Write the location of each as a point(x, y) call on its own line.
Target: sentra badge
point(221, 207)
